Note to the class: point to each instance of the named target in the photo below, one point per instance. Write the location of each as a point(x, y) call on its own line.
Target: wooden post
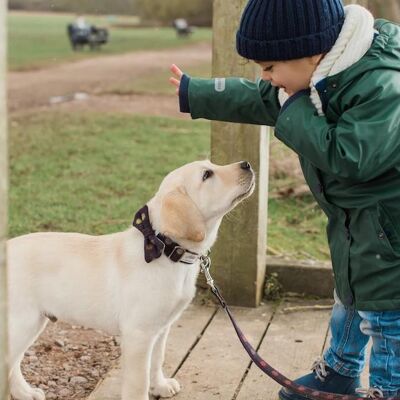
point(3, 204)
point(239, 256)
point(388, 9)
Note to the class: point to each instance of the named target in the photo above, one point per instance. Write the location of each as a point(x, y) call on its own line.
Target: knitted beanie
point(278, 30)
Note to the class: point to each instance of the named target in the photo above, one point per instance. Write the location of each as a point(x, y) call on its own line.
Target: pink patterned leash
point(307, 392)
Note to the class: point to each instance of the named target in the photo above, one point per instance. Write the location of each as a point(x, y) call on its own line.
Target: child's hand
point(178, 73)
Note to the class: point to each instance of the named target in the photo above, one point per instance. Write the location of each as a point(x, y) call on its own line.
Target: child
point(331, 88)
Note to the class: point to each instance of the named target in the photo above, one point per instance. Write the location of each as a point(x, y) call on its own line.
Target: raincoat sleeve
point(230, 99)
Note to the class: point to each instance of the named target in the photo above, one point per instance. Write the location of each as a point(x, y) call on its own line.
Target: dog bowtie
point(153, 246)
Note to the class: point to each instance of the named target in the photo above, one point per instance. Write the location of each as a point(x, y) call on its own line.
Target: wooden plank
point(240, 264)
point(3, 204)
point(292, 343)
point(184, 334)
point(217, 364)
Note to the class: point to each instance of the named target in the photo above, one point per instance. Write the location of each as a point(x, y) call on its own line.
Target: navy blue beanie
point(278, 30)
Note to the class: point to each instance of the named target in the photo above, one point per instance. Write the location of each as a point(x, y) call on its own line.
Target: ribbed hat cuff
point(288, 49)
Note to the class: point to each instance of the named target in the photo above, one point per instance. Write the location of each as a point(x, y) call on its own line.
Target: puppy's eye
point(207, 174)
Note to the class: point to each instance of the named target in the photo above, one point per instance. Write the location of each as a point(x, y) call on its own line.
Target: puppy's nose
point(245, 165)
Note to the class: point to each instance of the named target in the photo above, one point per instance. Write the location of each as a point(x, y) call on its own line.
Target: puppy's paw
point(38, 394)
point(166, 388)
point(31, 394)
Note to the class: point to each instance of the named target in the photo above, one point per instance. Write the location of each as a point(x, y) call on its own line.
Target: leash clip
point(205, 265)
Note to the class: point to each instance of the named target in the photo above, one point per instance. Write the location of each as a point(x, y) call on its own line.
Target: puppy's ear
point(181, 218)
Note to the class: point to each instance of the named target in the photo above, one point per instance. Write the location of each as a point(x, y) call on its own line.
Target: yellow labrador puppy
point(134, 283)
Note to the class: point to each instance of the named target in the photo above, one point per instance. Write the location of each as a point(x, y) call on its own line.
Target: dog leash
point(205, 265)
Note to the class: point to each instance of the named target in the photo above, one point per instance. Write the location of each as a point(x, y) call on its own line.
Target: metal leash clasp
point(205, 265)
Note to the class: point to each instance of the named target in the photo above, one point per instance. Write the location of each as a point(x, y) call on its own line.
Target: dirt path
point(31, 90)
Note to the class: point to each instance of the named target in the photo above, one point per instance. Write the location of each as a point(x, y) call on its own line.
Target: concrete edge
point(306, 277)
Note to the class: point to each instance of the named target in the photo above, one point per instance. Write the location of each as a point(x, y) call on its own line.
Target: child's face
point(292, 75)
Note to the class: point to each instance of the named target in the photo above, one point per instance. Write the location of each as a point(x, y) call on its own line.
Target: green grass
point(297, 228)
point(37, 40)
point(90, 173)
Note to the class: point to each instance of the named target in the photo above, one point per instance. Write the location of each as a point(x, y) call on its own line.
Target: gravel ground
point(68, 361)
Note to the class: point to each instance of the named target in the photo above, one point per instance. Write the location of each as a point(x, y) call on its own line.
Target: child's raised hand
point(178, 74)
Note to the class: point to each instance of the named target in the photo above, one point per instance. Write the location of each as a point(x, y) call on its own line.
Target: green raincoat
point(350, 159)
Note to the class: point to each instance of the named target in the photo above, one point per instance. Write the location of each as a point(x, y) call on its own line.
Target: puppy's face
point(201, 192)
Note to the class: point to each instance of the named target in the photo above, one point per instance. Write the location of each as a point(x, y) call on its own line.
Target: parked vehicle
point(182, 27)
point(90, 35)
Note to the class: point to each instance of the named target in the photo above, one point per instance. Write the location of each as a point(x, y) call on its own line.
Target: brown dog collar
point(157, 244)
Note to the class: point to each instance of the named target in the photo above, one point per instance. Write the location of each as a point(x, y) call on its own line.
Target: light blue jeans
point(351, 330)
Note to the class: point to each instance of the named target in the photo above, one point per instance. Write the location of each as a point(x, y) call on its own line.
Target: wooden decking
point(205, 356)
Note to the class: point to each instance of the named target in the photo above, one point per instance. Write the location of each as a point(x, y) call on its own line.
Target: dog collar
point(176, 253)
point(157, 244)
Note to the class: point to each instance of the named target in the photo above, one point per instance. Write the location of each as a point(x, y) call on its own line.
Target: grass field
point(37, 40)
point(91, 172)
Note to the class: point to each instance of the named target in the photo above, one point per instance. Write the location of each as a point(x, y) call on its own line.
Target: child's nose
point(266, 76)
